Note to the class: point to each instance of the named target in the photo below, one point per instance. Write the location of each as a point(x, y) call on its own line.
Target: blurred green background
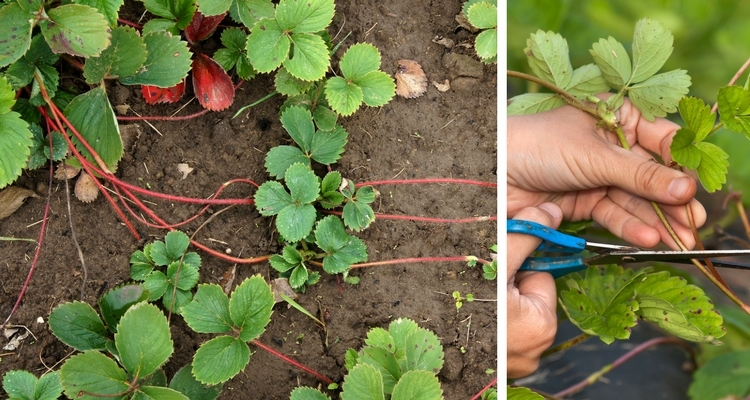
point(711, 42)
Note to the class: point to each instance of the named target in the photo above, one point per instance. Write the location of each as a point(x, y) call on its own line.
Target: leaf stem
point(591, 379)
point(732, 81)
point(567, 96)
point(566, 344)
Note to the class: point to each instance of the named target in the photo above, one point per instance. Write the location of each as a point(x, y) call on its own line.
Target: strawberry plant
point(399, 363)
point(173, 285)
point(482, 15)
point(607, 301)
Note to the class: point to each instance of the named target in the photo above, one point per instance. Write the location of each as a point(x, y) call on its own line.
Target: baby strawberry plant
point(181, 274)
point(136, 334)
point(482, 15)
point(241, 318)
point(399, 363)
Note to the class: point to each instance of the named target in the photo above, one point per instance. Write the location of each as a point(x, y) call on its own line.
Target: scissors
point(558, 242)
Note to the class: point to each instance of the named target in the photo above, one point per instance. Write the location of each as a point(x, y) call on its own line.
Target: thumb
point(520, 246)
point(647, 178)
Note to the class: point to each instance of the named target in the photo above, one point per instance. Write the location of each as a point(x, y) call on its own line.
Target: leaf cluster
point(399, 363)
point(608, 301)
point(240, 318)
point(482, 14)
point(136, 336)
point(174, 283)
point(23, 385)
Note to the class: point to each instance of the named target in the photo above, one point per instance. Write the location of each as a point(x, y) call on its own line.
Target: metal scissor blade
point(634, 256)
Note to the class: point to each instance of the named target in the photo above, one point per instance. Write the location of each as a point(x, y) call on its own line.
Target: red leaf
point(154, 94)
point(202, 27)
point(212, 85)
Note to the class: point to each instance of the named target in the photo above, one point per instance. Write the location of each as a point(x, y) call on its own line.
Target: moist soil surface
point(443, 134)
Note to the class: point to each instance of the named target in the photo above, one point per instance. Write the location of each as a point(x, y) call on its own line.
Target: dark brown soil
point(441, 134)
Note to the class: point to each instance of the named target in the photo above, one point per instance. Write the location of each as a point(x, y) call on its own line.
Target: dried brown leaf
point(66, 171)
point(12, 198)
point(411, 81)
point(86, 189)
point(442, 87)
point(444, 41)
point(227, 280)
point(184, 169)
point(281, 285)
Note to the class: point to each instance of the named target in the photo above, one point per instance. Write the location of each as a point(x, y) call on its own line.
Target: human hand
point(561, 156)
point(532, 299)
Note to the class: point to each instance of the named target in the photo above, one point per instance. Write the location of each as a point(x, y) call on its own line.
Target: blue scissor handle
point(553, 241)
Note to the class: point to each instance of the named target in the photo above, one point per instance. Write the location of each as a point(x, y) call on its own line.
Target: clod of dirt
point(184, 169)
point(411, 81)
point(442, 87)
point(463, 65)
point(446, 42)
point(122, 109)
point(130, 134)
point(63, 172)
point(86, 189)
point(12, 198)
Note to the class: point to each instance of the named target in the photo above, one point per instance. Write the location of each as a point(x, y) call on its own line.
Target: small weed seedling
point(136, 334)
point(399, 363)
point(243, 318)
point(174, 284)
point(460, 299)
point(23, 385)
point(482, 14)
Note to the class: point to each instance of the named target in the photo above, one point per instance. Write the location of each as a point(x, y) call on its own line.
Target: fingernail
point(553, 210)
point(678, 187)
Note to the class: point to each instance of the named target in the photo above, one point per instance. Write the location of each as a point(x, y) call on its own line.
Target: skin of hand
point(532, 299)
point(561, 156)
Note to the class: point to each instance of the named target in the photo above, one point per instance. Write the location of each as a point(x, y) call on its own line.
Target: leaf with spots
point(167, 62)
point(603, 302)
point(76, 29)
point(15, 33)
point(547, 53)
point(212, 85)
point(660, 94)
point(723, 377)
point(681, 309)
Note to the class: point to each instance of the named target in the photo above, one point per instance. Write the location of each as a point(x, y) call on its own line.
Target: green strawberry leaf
point(93, 372)
point(697, 116)
point(15, 146)
point(418, 385)
point(305, 16)
point(186, 275)
point(40, 151)
point(123, 57)
point(307, 393)
point(547, 53)
point(327, 146)
point(213, 7)
point(143, 339)
point(723, 377)
point(310, 58)
point(167, 62)
point(681, 309)
point(288, 85)
point(423, 351)
point(357, 213)
point(160, 24)
point(602, 304)
point(175, 244)
point(378, 88)
point(298, 277)
point(522, 393)
point(92, 115)
point(363, 382)
point(734, 108)
point(587, 80)
point(482, 15)
point(612, 59)
point(359, 60)
point(532, 103)
point(15, 29)
point(157, 392)
point(652, 46)
point(174, 300)
point(280, 158)
point(298, 123)
point(344, 97)
point(234, 54)
point(660, 94)
point(117, 301)
point(267, 45)
point(179, 11)
point(486, 45)
point(109, 8)
point(79, 326)
point(325, 118)
point(23, 385)
point(76, 29)
point(248, 12)
point(209, 310)
point(250, 307)
point(185, 383)
point(712, 170)
point(156, 283)
point(342, 250)
point(220, 359)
